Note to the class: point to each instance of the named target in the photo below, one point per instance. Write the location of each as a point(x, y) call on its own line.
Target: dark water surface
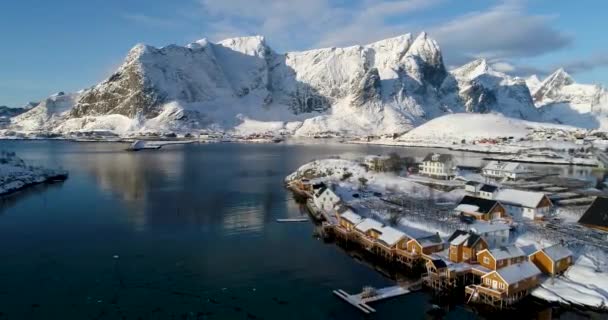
point(187, 232)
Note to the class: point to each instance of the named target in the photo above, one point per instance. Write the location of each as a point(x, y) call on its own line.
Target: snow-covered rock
point(16, 174)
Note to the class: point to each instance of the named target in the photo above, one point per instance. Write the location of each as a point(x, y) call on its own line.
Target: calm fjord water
point(187, 232)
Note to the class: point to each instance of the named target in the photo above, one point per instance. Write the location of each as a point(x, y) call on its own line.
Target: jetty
point(292, 220)
point(368, 295)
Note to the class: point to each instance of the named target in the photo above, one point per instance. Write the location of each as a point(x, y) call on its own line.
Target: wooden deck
point(361, 303)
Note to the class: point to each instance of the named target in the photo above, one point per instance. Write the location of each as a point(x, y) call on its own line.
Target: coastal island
point(498, 234)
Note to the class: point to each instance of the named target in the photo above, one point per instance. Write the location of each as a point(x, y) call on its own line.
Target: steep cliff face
point(385, 87)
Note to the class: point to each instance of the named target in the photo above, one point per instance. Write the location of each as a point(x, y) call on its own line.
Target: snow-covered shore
point(584, 284)
point(16, 174)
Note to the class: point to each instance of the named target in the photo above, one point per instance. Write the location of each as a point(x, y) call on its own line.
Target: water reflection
point(134, 177)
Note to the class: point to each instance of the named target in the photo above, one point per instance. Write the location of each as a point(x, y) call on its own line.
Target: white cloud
point(506, 33)
point(503, 66)
point(578, 65)
point(503, 31)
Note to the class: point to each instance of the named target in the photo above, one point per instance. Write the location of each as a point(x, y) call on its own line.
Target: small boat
point(138, 145)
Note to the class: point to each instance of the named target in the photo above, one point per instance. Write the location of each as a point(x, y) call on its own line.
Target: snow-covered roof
point(596, 214)
point(518, 272)
point(488, 188)
point(438, 157)
point(390, 235)
point(351, 217)
point(557, 252)
point(484, 205)
point(368, 224)
point(467, 208)
point(522, 198)
point(507, 252)
point(430, 241)
point(459, 239)
point(504, 166)
point(484, 227)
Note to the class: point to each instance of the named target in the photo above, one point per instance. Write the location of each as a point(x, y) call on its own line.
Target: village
point(493, 234)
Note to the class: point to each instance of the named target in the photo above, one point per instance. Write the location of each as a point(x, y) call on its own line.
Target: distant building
point(596, 215)
point(438, 267)
point(425, 245)
point(501, 257)
point(480, 209)
point(472, 187)
point(370, 228)
point(304, 185)
point(392, 238)
point(464, 246)
point(438, 166)
point(496, 234)
point(488, 191)
point(376, 163)
point(552, 260)
point(349, 219)
point(525, 204)
point(504, 170)
point(325, 198)
point(511, 281)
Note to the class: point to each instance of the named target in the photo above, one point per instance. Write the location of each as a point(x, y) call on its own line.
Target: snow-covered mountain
point(560, 99)
point(482, 89)
point(241, 85)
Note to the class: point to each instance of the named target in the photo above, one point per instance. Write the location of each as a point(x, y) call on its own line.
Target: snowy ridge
point(560, 99)
point(241, 86)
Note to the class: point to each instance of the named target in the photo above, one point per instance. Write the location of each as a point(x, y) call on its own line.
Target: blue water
point(186, 232)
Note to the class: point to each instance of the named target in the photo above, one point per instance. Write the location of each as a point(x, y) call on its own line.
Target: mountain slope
point(560, 99)
point(240, 84)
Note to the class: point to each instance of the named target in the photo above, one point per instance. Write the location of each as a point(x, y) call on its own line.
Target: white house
point(438, 166)
point(504, 170)
point(325, 198)
point(488, 191)
point(472, 187)
point(496, 234)
point(525, 204)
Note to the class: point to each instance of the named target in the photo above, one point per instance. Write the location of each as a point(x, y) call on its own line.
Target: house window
point(515, 286)
point(486, 260)
point(501, 285)
point(465, 255)
point(488, 281)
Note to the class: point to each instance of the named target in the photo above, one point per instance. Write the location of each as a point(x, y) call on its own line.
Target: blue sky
point(66, 45)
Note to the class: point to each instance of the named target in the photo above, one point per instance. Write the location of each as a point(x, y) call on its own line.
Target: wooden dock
point(360, 302)
point(293, 220)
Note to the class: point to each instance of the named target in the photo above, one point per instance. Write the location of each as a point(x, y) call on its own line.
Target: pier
point(361, 300)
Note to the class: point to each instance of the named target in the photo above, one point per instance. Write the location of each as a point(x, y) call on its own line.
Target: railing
point(486, 290)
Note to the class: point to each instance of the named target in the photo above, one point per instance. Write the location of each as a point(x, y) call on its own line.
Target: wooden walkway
point(359, 302)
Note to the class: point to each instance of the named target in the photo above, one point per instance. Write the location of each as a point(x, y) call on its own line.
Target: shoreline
point(55, 178)
point(168, 141)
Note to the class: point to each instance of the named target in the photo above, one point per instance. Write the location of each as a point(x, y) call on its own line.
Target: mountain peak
point(560, 77)
point(473, 69)
point(427, 49)
point(250, 45)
